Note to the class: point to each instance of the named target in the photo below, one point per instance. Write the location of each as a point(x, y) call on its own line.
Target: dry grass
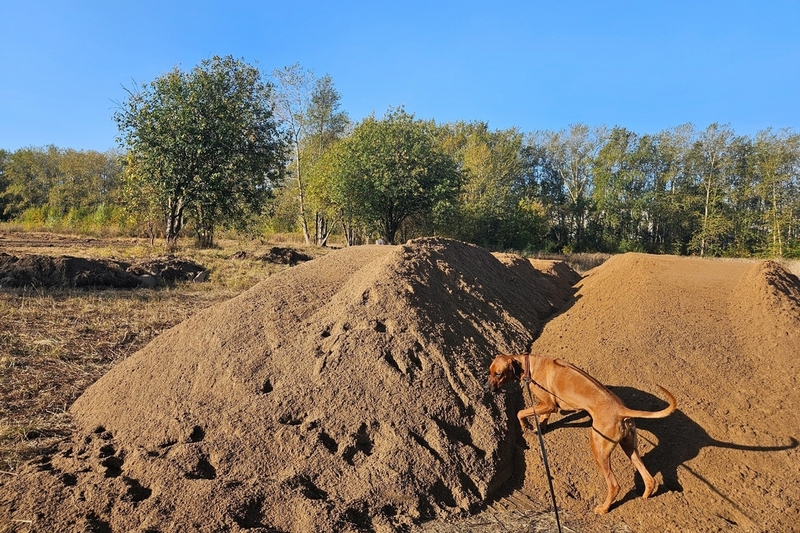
point(55, 343)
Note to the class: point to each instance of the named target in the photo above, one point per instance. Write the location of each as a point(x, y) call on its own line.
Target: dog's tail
point(655, 414)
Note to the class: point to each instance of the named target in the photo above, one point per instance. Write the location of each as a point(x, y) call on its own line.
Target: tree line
point(224, 147)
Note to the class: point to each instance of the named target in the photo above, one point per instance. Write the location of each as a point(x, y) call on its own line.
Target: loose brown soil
point(346, 394)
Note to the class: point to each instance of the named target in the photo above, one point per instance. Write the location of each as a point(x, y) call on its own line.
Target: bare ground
point(346, 394)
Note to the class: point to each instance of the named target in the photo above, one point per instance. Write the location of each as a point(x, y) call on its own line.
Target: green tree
point(309, 110)
point(4, 157)
point(84, 180)
point(566, 160)
point(207, 142)
point(30, 173)
point(326, 124)
point(294, 85)
point(711, 165)
point(494, 209)
point(618, 192)
point(63, 185)
point(775, 163)
point(388, 171)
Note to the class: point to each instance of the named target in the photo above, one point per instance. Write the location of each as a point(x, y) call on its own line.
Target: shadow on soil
point(679, 440)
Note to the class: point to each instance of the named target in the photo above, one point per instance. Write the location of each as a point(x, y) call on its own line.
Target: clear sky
point(645, 65)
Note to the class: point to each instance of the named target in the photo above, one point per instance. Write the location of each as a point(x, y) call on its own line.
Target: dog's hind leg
point(629, 446)
point(602, 447)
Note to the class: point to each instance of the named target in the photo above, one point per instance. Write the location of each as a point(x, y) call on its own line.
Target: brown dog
point(559, 385)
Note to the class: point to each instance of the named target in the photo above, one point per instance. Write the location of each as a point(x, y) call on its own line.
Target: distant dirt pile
point(42, 271)
point(278, 255)
point(345, 394)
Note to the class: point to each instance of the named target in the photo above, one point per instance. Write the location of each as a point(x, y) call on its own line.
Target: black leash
point(527, 378)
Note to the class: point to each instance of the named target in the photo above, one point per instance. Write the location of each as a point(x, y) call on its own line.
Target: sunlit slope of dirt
point(724, 338)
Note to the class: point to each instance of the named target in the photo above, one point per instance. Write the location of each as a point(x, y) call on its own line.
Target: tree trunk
point(777, 241)
point(705, 220)
point(174, 220)
point(322, 229)
point(302, 196)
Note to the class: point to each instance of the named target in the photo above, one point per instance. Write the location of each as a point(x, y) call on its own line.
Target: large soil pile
point(724, 338)
point(344, 394)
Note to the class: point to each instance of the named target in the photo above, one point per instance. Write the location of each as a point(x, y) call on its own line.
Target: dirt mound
point(559, 272)
point(555, 279)
point(277, 254)
point(723, 337)
point(168, 269)
point(44, 271)
point(345, 394)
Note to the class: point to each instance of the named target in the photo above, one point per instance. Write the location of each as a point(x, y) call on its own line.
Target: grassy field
point(56, 342)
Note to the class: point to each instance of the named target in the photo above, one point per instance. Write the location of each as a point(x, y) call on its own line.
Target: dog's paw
point(600, 509)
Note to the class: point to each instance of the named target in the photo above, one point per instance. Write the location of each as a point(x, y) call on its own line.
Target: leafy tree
point(59, 181)
point(326, 124)
point(30, 173)
point(388, 171)
point(711, 164)
point(294, 85)
point(84, 179)
point(206, 141)
point(618, 190)
point(774, 162)
point(566, 158)
point(494, 209)
point(4, 157)
point(309, 109)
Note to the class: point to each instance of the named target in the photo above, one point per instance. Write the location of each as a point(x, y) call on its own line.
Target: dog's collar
point(526, 374)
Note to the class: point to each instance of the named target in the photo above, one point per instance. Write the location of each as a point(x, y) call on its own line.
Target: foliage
point(207, 149)
point(497, 207)
point(386, 172)
point(309, 110)
point(205, 142)
point(60, 179)
point(103, 220)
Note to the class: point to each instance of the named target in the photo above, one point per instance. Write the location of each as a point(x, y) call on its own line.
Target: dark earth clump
point(42, 271)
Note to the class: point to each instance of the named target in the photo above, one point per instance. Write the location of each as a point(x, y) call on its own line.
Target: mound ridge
point(343, 394)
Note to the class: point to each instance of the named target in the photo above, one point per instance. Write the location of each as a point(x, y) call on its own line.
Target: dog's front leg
point(542, 410)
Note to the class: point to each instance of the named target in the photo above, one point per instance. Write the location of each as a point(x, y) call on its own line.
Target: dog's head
point(502, 370)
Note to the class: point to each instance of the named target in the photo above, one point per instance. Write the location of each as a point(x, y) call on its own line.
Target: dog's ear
point(516, 367)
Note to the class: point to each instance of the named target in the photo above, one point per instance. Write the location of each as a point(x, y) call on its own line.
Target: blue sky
point(645, 65)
